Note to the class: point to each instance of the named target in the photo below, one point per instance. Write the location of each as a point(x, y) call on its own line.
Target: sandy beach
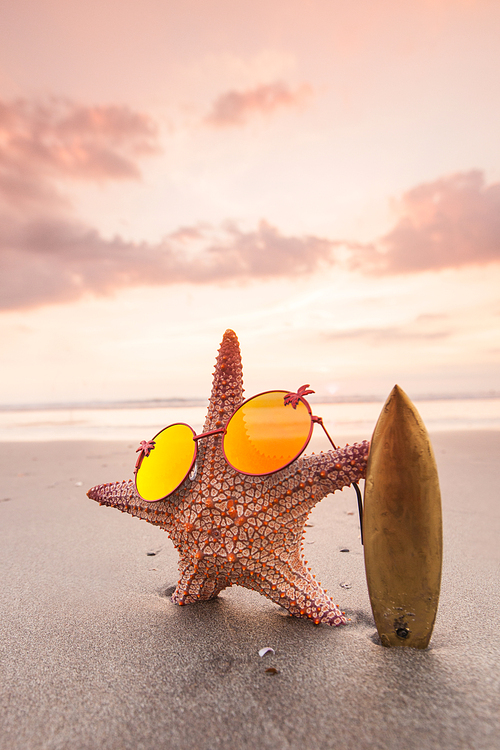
point(95, 656)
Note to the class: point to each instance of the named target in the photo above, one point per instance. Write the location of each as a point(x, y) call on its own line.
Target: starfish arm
point(124, 497)
point(286, 582)
point(199, 582)
point(121, 495)
point(227, 387)
point(324, 473)
point(292, 586)
point(298, 488)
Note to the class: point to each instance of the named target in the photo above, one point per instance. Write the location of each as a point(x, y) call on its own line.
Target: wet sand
point(93, 654)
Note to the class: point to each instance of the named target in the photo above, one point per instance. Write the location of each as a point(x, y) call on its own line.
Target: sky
point(321, 176)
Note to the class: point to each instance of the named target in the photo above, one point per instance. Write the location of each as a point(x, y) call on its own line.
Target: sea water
point(354, 420)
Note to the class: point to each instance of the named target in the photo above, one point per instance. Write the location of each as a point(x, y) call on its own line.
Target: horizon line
point(178, 402)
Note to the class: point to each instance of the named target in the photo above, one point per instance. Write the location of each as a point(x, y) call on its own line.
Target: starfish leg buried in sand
point(231, 528)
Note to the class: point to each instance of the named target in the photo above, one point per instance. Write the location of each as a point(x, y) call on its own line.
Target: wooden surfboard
point(402, 526)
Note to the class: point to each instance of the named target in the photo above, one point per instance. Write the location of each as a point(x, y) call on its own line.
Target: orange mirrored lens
point(168, 464)
point(264, 435)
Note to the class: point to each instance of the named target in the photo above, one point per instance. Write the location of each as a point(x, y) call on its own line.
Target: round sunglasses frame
point(294, 399)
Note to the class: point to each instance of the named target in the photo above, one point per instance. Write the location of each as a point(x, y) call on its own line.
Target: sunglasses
point(266, 433)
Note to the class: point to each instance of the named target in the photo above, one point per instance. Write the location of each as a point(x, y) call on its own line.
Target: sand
point(94, 654)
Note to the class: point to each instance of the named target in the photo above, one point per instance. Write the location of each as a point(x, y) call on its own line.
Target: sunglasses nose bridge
point(219, 431)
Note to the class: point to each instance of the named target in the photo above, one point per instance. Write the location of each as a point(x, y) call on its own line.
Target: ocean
point(138, 421)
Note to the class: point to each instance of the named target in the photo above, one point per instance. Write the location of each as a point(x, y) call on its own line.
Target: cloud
point(237, 107)
point(49, 261)
point(389, 334)
point(41, 143)
point(451, 222)
point(47, 256)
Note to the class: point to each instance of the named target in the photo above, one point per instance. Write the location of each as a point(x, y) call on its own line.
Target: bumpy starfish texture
point(230, 528)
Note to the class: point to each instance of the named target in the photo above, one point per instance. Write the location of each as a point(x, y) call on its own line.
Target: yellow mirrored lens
point(168, 464)
point(264, 435)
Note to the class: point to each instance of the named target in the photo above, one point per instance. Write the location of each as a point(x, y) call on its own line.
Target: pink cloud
point(43, 141)
point(413, 331)
point(59, 260)
point(46, 256)
point(451, 222)
point(236, 107)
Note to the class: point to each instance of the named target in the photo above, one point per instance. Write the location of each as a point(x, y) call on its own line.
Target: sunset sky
point(321, 176)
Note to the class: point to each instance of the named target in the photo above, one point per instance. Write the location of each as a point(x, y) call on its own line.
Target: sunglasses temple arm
point(360, 508)
point(319, 420)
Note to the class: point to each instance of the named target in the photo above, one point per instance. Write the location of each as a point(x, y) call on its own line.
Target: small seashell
point(266, 650)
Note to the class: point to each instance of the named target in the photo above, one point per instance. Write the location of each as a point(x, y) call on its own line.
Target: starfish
point(231, 528)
